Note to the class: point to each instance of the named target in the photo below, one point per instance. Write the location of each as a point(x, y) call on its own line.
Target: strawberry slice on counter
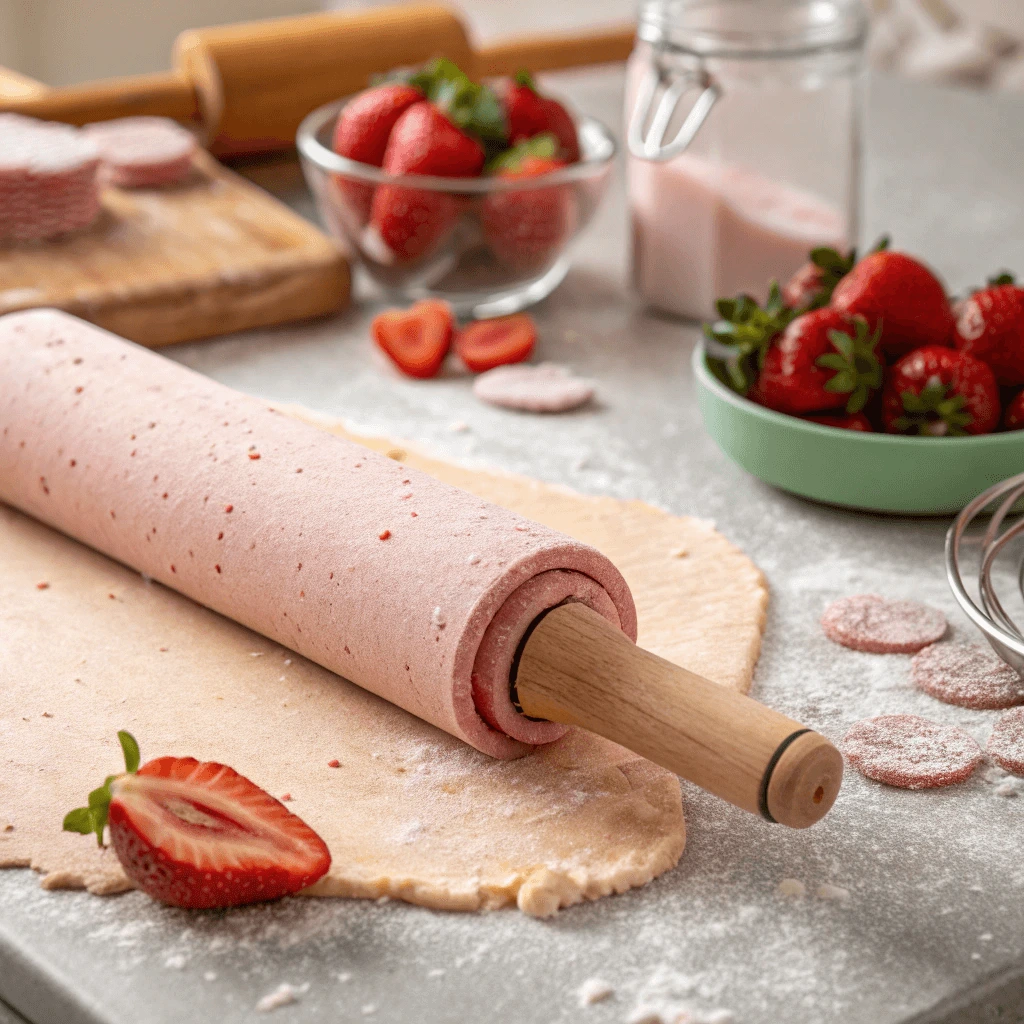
point(811, 287)
point(530, 114)
point(362, 134)
point(854, 421)
point(902, 295)
point(527, 228)
point(199, 835)
point(938, 392)
point(416, 340)
point(990, 327)
point(485, 344)
point(823, 360)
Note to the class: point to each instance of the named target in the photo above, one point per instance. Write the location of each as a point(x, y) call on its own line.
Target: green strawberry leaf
point(933, 412)
point(93, 819)
point(1004, 277)
point(858, 371)
point(524, 78)
point(739, 340)
point(544, 147)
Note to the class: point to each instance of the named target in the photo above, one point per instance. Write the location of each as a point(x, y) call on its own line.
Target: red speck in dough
point(334, 764)
point(1006, 744)
point(882, 625)
point(911, 752)
point(384, 534)
point(286, 798)
point(73, 463)
point(229, 508)
point(173, 569)
point(217, 567)
point(42, 585)
point(968, 675)
point(254, 455)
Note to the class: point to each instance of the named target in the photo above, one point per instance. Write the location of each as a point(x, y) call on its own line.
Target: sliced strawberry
point(362, 133)
point(902, 295)
point(412, 221)
point(484, 344)
point(417, 339)
point(529, 114)
point(1014, 418)
point(823, 360)
point(200, 835)
point(990, 327)
point(853, 421)
point(937, 392)
point(526, 229)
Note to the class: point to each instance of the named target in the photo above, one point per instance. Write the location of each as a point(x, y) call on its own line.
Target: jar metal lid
point(753, 29)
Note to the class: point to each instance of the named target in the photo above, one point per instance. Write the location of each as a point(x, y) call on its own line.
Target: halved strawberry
point(484, 344)
point(416, 339)
point(199, 835)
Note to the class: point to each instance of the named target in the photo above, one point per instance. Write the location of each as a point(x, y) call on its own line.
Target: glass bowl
point(488, 246)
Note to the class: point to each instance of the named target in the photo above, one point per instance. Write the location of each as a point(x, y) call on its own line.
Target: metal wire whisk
point(1003, 528)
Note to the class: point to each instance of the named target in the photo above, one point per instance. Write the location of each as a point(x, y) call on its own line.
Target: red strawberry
point(822, 360)
point(417, 339)
point(484, 344)
point(200, 835)
point(854, 421)
point(937, 392)
point(811, 287)
point(412, 221)
point(1014, 418)
point(529, 114)
point(990, 327)
point(362, 133)
point(901, 294)
point(527, 228)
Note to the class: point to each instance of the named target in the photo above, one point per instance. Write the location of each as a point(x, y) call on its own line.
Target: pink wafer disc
point(968, 675)
point(1006, 744)
point(882, 625)
point(911, 752)
point(143, 151)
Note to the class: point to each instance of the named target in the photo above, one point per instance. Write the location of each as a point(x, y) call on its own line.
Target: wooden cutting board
point(212, 255)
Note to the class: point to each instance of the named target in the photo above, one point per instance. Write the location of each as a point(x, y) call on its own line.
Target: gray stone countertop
point(934, 881)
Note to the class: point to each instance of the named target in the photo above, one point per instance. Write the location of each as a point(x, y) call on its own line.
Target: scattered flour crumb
point(438, 619)
point(985, 937)
point(383, 899)
point(593, 990)
point(255, 654)
point(283, 995)
point(581, 464)
point(679, 552)
point(368, 1009)
point(459, 427)
point(975, 956)
point(210, 976)
point(827, 891)
point(436, 972)
point(792, 887)
point(287, 661)
point(176, 961)
point(345, 976)
point(474, 559)
point(1009, 788)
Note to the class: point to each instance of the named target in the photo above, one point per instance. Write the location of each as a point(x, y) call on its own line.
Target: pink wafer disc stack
point(49, 179)
point(143, 152)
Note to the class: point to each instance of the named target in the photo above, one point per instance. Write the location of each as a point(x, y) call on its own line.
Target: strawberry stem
point(93, 819)
point(934, 411)
point(858, 370)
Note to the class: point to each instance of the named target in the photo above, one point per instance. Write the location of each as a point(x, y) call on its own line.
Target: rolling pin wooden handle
point(576, 667)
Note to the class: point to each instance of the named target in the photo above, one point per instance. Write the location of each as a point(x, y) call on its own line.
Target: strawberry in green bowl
point(860, 383)
point(450, 189)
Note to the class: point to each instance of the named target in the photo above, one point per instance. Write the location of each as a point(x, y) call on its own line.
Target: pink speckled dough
point(144, 151)
point(270, 521)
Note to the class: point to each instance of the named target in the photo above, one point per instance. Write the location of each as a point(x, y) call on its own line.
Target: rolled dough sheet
point(411, 812)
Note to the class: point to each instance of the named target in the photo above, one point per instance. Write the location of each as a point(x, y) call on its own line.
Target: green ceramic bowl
point(876, 472)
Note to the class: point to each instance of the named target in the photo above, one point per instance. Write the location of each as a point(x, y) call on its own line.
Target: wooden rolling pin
point(576, 667)
point(249, 85)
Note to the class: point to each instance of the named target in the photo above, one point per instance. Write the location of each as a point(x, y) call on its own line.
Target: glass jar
point(743, 122)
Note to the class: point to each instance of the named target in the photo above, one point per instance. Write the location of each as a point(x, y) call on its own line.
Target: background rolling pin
point(411, 588)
